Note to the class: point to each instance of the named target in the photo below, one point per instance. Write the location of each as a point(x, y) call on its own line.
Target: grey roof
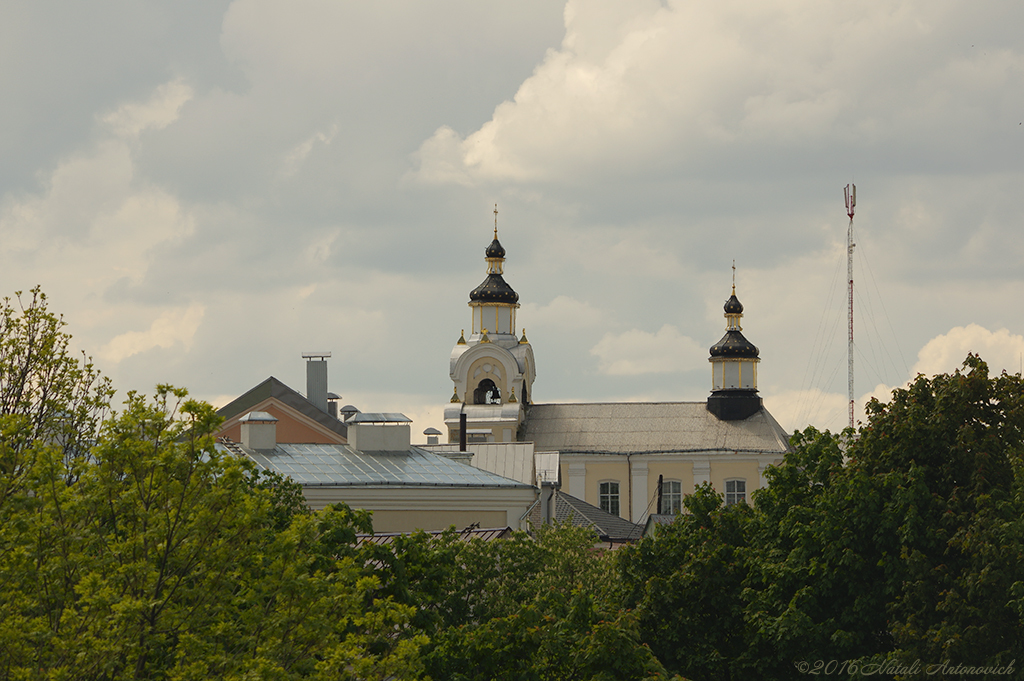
point(340, 466)
point(648, 427)
point(379, 417)
point(569, 509)
point(276, 389)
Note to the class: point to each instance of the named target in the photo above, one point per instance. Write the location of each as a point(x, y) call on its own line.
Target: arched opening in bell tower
point(487, 393)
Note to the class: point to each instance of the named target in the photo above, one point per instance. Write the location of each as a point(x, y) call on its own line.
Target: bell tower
point(493, 369)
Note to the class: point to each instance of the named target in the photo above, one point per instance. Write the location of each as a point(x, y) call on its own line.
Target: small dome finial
point(455, 396)
point(495, 221)
point(734, 276)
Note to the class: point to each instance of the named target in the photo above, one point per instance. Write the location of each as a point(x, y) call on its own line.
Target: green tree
point(686, 588)
point(517, 608)
point(899, 543)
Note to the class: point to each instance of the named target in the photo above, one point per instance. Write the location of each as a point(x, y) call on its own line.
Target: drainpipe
point(462, 432)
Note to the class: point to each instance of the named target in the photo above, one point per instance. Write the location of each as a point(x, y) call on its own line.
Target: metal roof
point(648, 427)
point(340, 466)
point(379, 417)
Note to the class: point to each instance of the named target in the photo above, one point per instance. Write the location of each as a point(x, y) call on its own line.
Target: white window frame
point(671, 501)
point(734, 495)
point(607, 498)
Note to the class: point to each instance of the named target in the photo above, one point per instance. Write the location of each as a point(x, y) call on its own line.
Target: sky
point(206, 190)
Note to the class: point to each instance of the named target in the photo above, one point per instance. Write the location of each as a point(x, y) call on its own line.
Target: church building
point(630, 459)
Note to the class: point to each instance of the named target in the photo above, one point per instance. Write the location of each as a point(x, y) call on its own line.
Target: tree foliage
point(899, 543)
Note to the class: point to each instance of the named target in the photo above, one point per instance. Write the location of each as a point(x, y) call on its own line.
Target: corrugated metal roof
point(340, 465)
point(379, 417)
point(648, 427)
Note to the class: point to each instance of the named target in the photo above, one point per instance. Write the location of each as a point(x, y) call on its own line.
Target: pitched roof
point(648, 427)
point(341, 466)
point(609, 527)
point(278, 390)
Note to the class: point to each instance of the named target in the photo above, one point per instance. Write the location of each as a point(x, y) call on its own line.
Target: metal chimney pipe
point(462, 432)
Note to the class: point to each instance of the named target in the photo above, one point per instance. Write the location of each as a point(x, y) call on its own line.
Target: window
point(609, 497)
point(735, 491)
point(671, 497)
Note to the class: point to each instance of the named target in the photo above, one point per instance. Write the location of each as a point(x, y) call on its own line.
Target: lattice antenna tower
point(850, 193)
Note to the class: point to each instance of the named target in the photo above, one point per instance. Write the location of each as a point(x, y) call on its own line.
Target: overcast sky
point(208, 189)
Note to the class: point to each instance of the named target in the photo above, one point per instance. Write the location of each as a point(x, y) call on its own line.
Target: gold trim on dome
point(462, 338)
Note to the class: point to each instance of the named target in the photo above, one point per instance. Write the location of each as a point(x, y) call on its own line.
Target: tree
point(517, 608)
point(898, 543)
point(47, 394)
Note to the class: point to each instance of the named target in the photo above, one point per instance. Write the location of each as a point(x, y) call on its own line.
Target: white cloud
point(159, 111)
point(945, 353)
point(639, 352)
point(178, 325)
point(645, 86)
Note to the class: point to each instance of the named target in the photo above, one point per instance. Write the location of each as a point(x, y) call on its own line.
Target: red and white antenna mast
point(850, 193)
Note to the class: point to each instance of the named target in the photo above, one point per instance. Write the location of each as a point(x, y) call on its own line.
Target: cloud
point(646, 87)
point(563, 314)
point(945, 353)
point(178, 325)
point(294, 158)
point(639, 352)
point(159, 111)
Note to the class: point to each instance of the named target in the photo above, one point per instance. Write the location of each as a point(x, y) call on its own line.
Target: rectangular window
point(735, 491)
point(671, 497)
point(610, 497)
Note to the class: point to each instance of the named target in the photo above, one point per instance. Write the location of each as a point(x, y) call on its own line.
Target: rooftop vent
point(379, 432)
point(259, 430)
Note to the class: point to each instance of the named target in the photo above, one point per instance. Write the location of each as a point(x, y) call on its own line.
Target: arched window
point(487, 393)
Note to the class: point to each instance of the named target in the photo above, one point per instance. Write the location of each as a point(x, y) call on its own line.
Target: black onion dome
point(733, 305)
point(494, 290)
point(495, 250)
point(733, 344)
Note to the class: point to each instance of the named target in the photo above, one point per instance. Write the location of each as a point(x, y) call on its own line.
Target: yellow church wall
point(733, 470)
point(473, 380)
point(608, 472)
point(672, 470)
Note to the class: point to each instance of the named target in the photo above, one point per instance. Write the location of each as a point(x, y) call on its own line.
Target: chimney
point(462, 432)
point(316, 378)
point(259, 430)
